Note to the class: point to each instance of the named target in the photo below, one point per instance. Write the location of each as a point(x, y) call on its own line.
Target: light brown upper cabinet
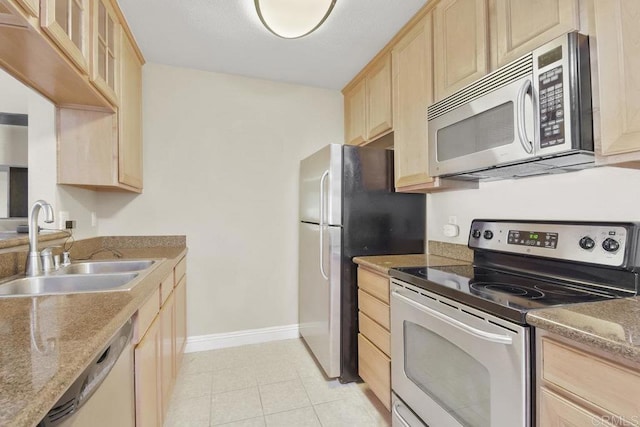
point(105, 43)
point(412, 93)
point(32, 7)
point(355, 113)
point(10, 14)
point(618, 51)
point(52, 55)
point(367, 103)
point(67, 23)
point(460, 44)
point(521, 26)
point(378, 89)
point(102, 150)
point(130, 116)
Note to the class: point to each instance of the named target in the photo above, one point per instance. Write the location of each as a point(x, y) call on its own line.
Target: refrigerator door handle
point(322, 223)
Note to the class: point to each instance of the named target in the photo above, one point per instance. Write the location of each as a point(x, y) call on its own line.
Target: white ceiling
point(226, 36)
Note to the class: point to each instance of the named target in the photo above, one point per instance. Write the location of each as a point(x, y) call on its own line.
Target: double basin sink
point(93, 276)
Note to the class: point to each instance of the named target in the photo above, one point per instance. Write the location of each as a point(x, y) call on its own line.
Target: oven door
point(497, 128)
point(457, 366)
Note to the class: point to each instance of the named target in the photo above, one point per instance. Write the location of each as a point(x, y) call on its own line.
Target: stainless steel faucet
point(34, 263)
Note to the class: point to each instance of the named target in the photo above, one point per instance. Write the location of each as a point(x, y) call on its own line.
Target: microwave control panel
point(551, 108)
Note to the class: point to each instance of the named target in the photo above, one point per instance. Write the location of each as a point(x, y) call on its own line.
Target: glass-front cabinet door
point(32, 7)
point(66, 22)
point(105, 44)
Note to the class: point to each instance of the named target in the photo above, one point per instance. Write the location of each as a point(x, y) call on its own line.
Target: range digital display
point(539, 239)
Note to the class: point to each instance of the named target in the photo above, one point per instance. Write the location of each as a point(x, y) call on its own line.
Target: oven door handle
point(488, 336)
point(398, 416)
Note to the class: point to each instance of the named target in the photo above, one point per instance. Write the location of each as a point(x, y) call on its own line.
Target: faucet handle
point(49, 249)
point(48, 263)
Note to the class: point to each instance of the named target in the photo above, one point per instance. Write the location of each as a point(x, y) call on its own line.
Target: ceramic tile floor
point(271, 384)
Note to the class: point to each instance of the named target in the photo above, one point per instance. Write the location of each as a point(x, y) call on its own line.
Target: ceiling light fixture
point(292, 19)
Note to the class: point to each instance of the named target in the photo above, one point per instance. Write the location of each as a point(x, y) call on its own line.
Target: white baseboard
point(234, 339)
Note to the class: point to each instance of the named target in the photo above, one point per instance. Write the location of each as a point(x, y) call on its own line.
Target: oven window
point(484, 131)
point(450, 376)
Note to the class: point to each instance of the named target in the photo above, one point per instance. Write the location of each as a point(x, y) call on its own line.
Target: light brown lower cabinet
point(147, 377)
point(580, 387)
point(556, 411)
point(168, 352)
point(159, 349)
point(374, 367)
point(374, 338)
point(180, 320)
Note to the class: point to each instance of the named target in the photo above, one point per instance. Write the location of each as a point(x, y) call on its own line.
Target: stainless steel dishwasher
point(103, 395)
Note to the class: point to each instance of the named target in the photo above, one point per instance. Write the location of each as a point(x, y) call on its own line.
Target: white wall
point(14, 141)
point(78, 202)
point(605, 193)
point(13, 95)
point(221, 156)
point(17, 98)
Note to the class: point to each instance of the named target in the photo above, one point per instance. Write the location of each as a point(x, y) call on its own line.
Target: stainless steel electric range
point(461, 346)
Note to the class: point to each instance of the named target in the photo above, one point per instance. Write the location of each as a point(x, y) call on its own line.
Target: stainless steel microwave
point(532, 116)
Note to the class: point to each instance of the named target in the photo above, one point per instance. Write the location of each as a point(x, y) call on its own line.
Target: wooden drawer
point(607, 385)
point(179, 271)
point(374, 308)
point(375, 284)
point(556, 411)
point(166, 287)
point(375, 333)
point(374, 367)
point(146, 314)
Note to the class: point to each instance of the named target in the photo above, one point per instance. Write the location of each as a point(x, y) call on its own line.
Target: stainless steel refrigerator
point(348, 208)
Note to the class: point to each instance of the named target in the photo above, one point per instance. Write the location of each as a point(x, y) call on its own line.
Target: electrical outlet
point(450, 230)
point(70, 224)
point(94, 219)
point(453, 220)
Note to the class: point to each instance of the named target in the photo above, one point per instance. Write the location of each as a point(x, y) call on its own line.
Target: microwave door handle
point(488, 336)
point(522, 131)
point(322, 223)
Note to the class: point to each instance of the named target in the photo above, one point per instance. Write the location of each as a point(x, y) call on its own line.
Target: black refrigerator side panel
point(376, 221)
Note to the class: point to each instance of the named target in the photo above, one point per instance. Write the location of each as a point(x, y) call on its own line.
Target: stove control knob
point(587, 243)
point(475, 234)
point(610, 245)
point(488, 234)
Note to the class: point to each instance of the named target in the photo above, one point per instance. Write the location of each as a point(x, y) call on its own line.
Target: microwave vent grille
point(495, 80)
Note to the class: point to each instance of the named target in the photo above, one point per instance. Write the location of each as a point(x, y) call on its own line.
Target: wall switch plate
point(94, 219)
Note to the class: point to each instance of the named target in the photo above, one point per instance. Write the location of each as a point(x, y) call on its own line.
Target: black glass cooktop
point(504, 294)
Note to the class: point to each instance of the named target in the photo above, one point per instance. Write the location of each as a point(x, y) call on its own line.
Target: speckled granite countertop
point(383, 263)
point(612, 326)
point(9, 239)
point(47, 341)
